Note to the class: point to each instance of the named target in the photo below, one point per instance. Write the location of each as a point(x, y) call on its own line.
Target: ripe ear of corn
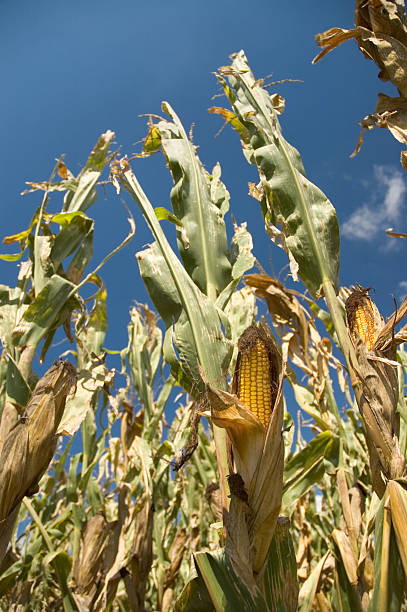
point(89, 562)
point(29, 447)
point(253, 418)
point(256, 374)
point(379, 398)
point(363, 317)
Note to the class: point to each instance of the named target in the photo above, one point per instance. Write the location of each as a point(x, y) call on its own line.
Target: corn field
point(249, 454)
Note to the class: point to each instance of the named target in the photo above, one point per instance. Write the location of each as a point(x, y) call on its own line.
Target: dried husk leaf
point(398, 506)
point(29, 447)
point(303, 556)
point(214, 498)
point(357, 508)
point(378, 406)
point(87, 566)
point(310, 586)
point(143, 551)
point(390, 113)
point(175, 555)
point(265, 490)
point(346, 508)
point(348, 555)
point(6, 530)
point(245, 430)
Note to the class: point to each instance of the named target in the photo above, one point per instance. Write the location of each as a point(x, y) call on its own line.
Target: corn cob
point(256, 374)
point(363, 317)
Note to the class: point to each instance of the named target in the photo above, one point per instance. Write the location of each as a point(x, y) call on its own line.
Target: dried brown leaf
point(348, 555)
point(332, 38)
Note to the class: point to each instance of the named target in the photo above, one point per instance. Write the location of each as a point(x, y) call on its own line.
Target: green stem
point(333, 405)
point(67, 599)
point(130, 182)
point(339, 324)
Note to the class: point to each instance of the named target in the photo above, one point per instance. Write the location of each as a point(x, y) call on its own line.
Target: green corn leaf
point(85, 193)
point(194, 597)
point(73, 478)
point(307, 466)
point(88, 442)
point(306, 401)
point(22, 238)
point(163, 214)
point(202, 241)
point(43, 268)
point(61, 561)
point(10, 577)
point(93, 495)
point(216, 578)
point(160, 283)
point(163, 292)
point(306, 216)
point(46, 312)
point(12, 256)
point(160, 404)
point(91, 330)
point(241, 255)
point(280, 576)
point(309, 588)
point(194, 329)
point(75, 227)
point(18, 390)
point(139, 360)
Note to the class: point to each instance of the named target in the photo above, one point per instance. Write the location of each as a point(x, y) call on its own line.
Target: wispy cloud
point(384, 208)
point(402, 289)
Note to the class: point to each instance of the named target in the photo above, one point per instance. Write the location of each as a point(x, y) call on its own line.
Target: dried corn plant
point(180, 479)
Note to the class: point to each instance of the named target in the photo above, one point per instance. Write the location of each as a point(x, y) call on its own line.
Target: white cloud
point(402, 289)
point(384, 209)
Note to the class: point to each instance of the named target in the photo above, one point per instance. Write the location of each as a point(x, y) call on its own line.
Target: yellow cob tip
point(363, 317)
point(256, 374)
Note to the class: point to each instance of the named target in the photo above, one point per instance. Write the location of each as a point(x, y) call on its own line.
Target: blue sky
point(72, 70)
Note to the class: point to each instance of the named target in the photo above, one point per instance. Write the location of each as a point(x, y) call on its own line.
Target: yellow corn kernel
point(362, 316)
point(365, 323)
point(255, 375)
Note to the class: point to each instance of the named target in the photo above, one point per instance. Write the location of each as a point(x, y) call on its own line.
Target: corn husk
point(88, 564)
point(377, 395)
point(30, 445)
point(175, 556)
point(256, 470)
